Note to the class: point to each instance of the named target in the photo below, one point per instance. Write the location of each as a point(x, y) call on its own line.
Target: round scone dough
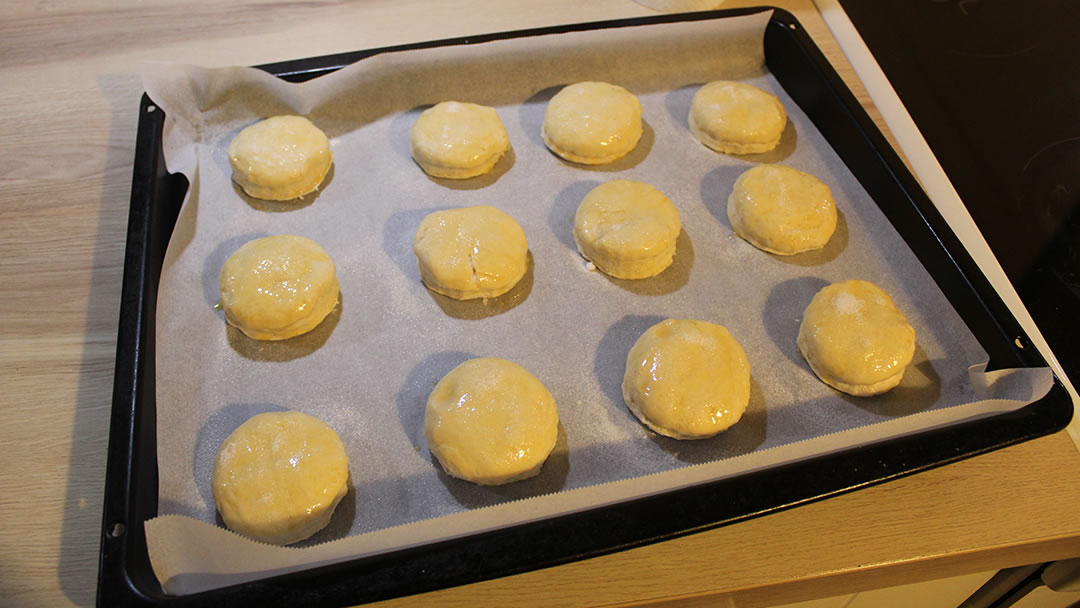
point(278, 477)
point(458, 140)
point(782, 210)
point(687, 379)
point(280, 158)
point(736, 118)
point(855, 339)
point(490, 421)
point(627, 229)
point(471, 252)
point(592, 123)
point(278, 287)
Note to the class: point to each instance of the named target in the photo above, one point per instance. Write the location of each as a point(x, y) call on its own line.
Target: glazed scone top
point(280, 158)
point(687, 379)
point(458, 140)
point(490, 421)
point(471, 252)
point(782, 210)
point(629, 229)
point(736, 118)
point(278, 287)
point(592, 123)
point(855, 338)
point(278, 477)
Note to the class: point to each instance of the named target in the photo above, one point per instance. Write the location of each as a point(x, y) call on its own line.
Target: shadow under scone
point(551, 479)
point(341, 522)
point(741, 438)
point(609, 363)
point(671, 279)
point(918, 390)
point(504, 164)
point(285, 350)
point(289, 205)
point(482, 308)
point(785, 148)
point(783, 313)
point(412, 398)
point(836, 245)
point(561, 216)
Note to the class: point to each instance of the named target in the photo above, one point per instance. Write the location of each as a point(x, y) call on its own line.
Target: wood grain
point(69, 103)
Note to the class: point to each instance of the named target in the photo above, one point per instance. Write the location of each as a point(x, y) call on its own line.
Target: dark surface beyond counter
point(994, 87)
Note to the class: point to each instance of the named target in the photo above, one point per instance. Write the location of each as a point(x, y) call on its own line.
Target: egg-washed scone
point(458, 140)
point(856, 339)
point(279, 476)
point(628, 229)
point(471, 252)
point(736, 118)
point(687, 379)
point(592, 123)
point(280, 158)
point(490, 421)
point(782, 210)
point(278, 287)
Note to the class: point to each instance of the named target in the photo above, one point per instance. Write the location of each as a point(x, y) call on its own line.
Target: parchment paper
point(368, 369)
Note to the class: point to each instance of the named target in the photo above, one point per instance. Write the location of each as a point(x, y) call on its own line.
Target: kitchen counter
point(69, 107)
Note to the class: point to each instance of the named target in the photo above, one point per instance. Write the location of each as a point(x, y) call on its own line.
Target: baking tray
point(125, 574)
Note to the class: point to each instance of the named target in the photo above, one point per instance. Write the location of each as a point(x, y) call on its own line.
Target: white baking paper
point(368, 369)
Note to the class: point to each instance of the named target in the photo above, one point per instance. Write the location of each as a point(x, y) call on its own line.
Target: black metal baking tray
point(125, 575)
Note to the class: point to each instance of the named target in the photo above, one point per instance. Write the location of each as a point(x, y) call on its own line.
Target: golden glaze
point(280, 158)
point(491, 422)
point(855, 338)
point(782, 210)
point(278, 287)
point(628, 229)
point(279, 476)
point(471, 252)
point(687, 379)
point(592, 123)
point(458, 140)
point(736, 118)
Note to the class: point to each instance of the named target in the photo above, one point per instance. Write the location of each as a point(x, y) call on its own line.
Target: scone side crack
point(472, 266)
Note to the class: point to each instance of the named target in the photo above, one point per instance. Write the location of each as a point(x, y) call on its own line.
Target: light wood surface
point(68, 105)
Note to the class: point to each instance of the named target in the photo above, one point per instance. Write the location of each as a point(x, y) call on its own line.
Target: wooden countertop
point(69, 103)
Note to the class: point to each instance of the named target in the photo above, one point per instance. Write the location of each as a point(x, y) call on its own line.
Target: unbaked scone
point(627, 229)
point(278, 287)
point(592, 123)
point(736, 118)
point(458, 140)
point(855, 339)
point(782, 210)
point(278, 477)
point(280, 158)
point(471, 252)
point(687, 379)
point(490, 421)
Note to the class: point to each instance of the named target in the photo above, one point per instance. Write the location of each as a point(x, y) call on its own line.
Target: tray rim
point(123, 563)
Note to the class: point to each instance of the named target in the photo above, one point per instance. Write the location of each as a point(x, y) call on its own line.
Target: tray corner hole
point(150, 108)
point(117, 529)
